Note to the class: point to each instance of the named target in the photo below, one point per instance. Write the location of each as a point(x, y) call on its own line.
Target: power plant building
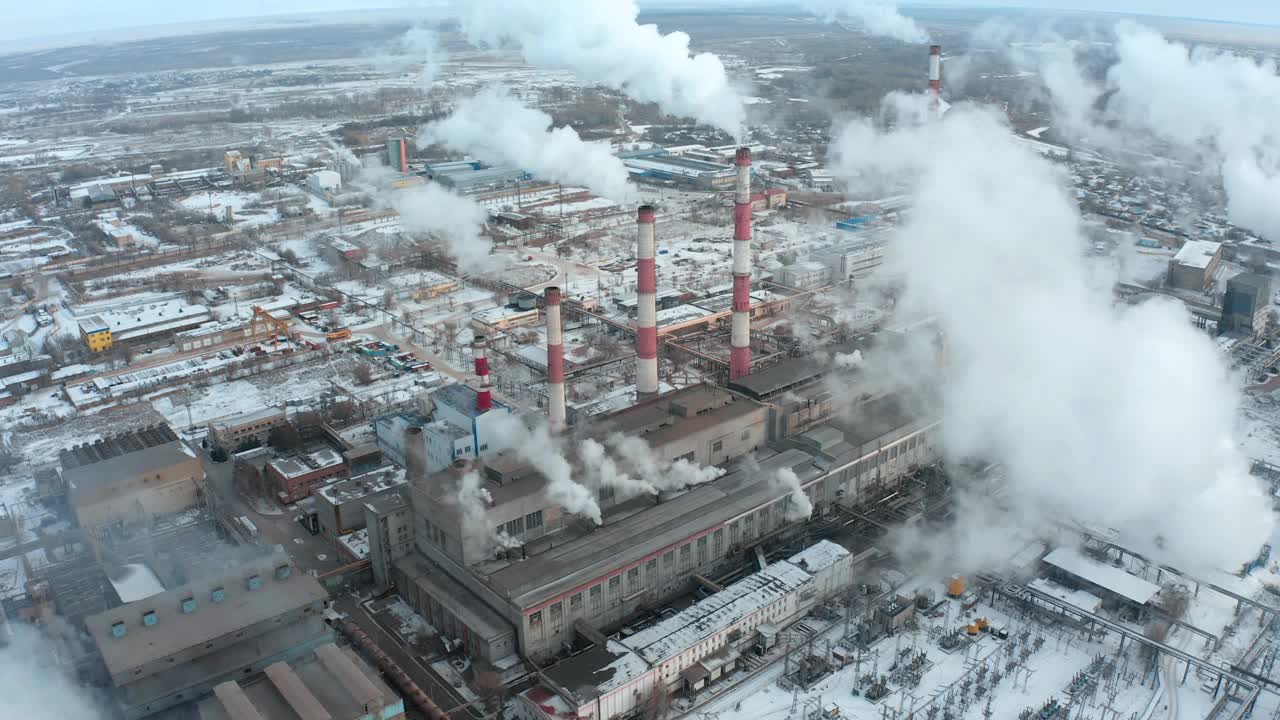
point(1195, 266)
point(131, 478)
point(178, 645)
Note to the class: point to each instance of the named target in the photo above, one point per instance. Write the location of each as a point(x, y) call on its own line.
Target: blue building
point(455, 430)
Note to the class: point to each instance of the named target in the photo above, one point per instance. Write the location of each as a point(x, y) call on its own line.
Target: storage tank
point(955, 586)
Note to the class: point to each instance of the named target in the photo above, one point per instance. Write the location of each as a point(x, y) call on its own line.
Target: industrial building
point(1195, 266)
point(330, 682)
point(661, 166)
point(340, 507)
point(297, 475)
point(1245, 304)
point(178, 645)
point(130, 478)
point(693, 648)
point(453, 427)
point(323, 182)
point(130, 319)
point(388, 520)
point(245, 430)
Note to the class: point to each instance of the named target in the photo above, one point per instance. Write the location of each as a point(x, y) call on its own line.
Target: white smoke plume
point(35, 692)
point(456, 221)
point(537, 446)
point(474, 501)
point(1044, 374)
point(847, 361)
point(498, 129)
point(877, 17)
point(629, 465)
point(417, 46)
point(1231, 122)
point(798, 506)
point(601, 42)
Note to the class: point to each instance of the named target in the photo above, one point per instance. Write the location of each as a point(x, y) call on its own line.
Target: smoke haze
point(1114, 415)
point(34, 692)
point(877, 17)
point(601, 42)
point(1230, 123)
point(452, 219)
point(498, 129)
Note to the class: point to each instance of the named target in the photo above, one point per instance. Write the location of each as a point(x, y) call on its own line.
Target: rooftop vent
point(253, 582)
point(283, 572)
point(118, 629)
point(217, 595)
point(150, 618)
point(188, 605)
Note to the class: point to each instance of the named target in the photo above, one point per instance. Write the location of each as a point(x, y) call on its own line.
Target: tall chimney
point(935, 80)
point(415, 454)
point(404, 155)
point(647, 309)
point(740, 344)
point(484, 398)
point(555, 361)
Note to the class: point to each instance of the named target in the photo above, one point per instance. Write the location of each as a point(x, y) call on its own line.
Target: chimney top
point(645, 214)
point(743, 156)
point(553, 295)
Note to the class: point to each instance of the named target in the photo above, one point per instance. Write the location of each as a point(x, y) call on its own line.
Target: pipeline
point(394, 671)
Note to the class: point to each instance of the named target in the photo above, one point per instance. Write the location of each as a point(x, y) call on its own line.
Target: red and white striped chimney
point(740, 342)
point(647, 308)
point(935, 79)
point(484, 398)
point(555, 361)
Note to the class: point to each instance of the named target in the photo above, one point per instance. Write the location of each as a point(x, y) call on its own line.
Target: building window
point(575, 604)
point(651, 572)
point(748, 528)
point(596, 595)
point(702, 551)
point(533, 520)
point(515, 528)
point(615, 590)
point(686, 556)
point(764, 520)
point(717, 546)
point(535, 620)
point(557, 618)
point(735, 531)
point(893, 453)
point(633, 581)
point(668, 561)
point(745, 434)
point(717, 446)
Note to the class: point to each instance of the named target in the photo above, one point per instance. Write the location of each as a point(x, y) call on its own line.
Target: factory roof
point(1113, 579)
point(573, 563)
point(362, 486)
point(175, 631)
point(246, 418)
point(712, 615)
point(303, 464)
point(1197, 253)
point(597, 670)
point(340, 682)
point(144, 317)
point(93, 324)
point(128, 455)
point(389, 502)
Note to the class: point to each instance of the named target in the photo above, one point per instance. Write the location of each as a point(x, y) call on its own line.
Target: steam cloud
point(626, 464)
point(36, 692)
point(1232, 120)
point(798, 507)
point(601, 42)
point(474, 501)
point(877, 17)
point(456, 220)
point(499, 129)
point(417, 45)
point(1044, 374)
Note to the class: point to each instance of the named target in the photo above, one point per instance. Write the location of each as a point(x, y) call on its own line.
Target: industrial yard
point(758, 363)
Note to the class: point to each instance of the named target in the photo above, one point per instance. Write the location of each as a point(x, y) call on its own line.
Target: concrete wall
point(391, 537)
point(135, 499)
point(719, 443)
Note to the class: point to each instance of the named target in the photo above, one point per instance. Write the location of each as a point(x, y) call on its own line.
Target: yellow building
point(96, 333)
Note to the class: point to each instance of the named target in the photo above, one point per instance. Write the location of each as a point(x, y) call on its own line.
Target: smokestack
point(647, 310)
point(484, 398)
point(935, 79)
point(555, 361)
point(404, 155)
point(415, 454)
point(740, 344)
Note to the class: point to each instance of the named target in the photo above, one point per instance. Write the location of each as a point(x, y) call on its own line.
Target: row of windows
point(521, 525)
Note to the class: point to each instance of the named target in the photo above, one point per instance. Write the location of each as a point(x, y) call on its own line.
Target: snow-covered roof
point(1197, 253)
point(136, 582)
point(1086, 601)
point(712, 615)
point(1104, 576)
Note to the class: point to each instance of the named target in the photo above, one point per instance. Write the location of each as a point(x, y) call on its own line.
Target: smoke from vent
point(601, 42)
point(31, 690)
point(498, 129)
point(798, 506)
point(453, 219)
point(655, 474)
point(537, 446)
point(1109, 414)
point(417, 45)
point(877, 17)
point(473, 502)
point(1230, 123)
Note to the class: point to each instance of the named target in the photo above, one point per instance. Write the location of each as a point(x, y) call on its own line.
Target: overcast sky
point(24, 19)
